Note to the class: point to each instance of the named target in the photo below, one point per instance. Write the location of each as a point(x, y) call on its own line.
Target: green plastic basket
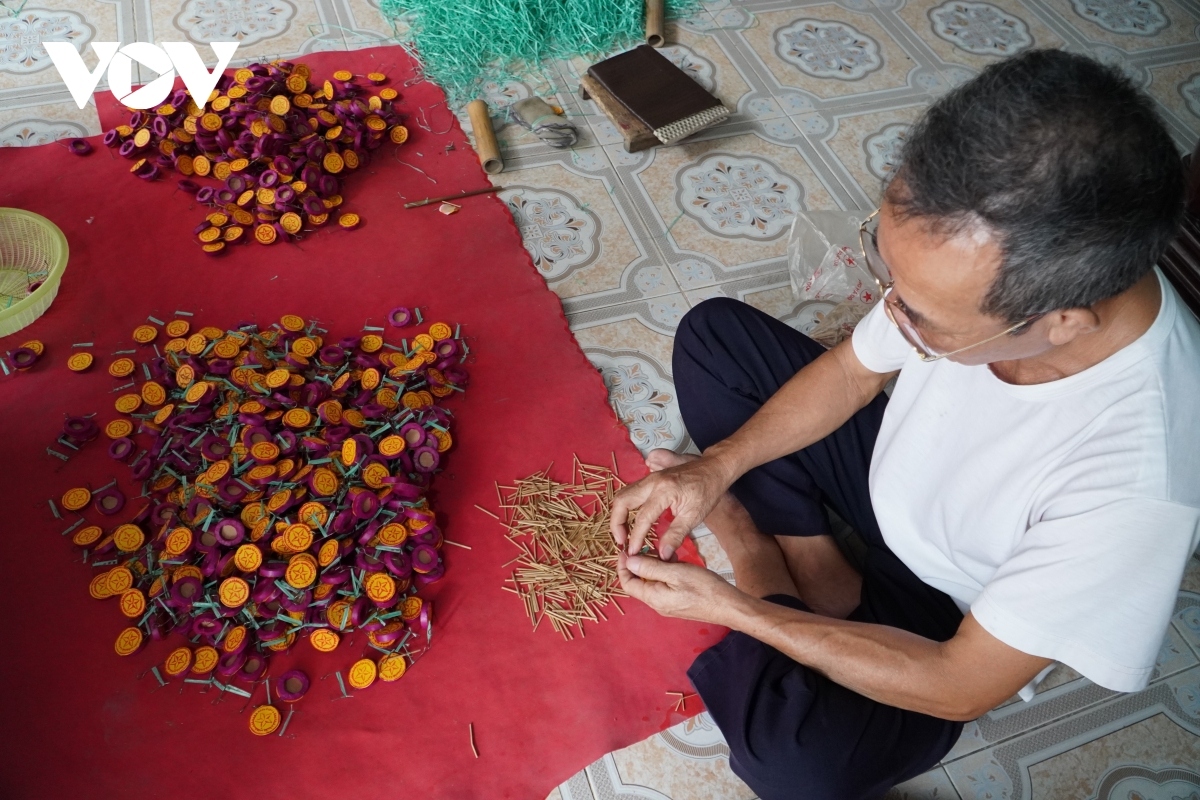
point(33, 257)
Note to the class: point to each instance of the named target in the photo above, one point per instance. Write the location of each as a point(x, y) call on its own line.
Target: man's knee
point(708, 317)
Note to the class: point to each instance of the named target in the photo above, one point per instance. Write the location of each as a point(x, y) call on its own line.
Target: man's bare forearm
point(814, 403)
point(886, 664)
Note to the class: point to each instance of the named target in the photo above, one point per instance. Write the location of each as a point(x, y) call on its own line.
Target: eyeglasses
point(895, 311)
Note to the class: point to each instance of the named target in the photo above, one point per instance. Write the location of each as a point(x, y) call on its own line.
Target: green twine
point(466, 44)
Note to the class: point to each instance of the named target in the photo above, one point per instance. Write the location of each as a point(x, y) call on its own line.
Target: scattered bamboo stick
point(566, 571)
point(471, 729)
point(444, 198)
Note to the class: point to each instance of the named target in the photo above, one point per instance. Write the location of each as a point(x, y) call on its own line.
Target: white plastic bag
point(825, 263)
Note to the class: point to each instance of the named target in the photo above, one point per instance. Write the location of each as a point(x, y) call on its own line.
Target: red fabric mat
point(80, 724)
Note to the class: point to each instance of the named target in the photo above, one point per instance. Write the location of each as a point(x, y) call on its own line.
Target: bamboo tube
point(485, 138)
point(654, 23)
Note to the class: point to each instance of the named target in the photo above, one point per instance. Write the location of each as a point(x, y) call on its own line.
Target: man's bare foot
point(825, 580)
point(757, 560)
point(828, 583)
point(661, 459)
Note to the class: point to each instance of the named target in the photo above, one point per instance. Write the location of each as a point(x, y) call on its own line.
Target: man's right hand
point(690, 490)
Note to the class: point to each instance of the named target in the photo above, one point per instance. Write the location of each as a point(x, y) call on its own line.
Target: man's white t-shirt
point(1060, 514)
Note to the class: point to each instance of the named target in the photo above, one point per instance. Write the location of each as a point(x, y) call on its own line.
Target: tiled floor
point(822, 92)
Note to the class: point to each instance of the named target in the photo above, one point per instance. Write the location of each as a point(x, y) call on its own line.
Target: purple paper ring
point(292, 685)
point(24, 357)
point(254, 667)
point(424, 558)
point(120, 448)
point(110, 501)
point(230, 664)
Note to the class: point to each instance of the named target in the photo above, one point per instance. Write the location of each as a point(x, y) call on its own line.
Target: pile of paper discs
point(269, 154)
point(283, 497)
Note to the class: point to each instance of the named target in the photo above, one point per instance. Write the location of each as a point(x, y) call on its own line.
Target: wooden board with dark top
point(637, 136)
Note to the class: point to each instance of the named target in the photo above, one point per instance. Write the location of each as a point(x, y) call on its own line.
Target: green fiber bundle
point(464, 44)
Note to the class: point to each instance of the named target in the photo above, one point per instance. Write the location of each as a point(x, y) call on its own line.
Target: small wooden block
point(635, 133)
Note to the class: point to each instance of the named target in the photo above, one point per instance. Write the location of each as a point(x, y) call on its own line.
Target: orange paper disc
point(362, 673)
point(380, 587)
point(324, 482)
point(265, 451)
point(233, 640)
point(178, 327)
point(178, 662)
point(76, 499)
point(121, 368)
point(98, 588)
point(393, 534)
point(410, 608)
point(338, 614)
point(392, 667)
point(264, 720)
point(153, 394)
point(118, 428)
point(233, 592)
point(247, 558)
point(129, 641)
point(300, 573)
point(85, 537)
point(145, 334)
point(119, 579)
point(391, 446)
point(324, 640)
point(298, 537)
point(327, 553)
point(374, 475)
point(297, 418)
point(133, 603)
point(204, 660)
point(79, 362)
point(178, 541)
point(128, 403)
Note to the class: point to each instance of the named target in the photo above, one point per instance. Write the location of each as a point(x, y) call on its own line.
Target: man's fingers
point(672, 538)
point(629, 497)
point(634, 586)
point(648, 514)
point(652, 569)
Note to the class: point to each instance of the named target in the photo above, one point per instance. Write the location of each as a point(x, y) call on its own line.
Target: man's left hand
point(676, 589)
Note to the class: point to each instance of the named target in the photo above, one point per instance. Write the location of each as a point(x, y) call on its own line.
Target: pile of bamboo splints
point(567, 570)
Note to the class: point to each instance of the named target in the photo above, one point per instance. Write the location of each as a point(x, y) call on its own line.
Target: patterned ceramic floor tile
point(38, 121)
point(631, 346)
point(933, 785)
point(267, 29)
point(772, 293)
point(821, 53)
point(865, 144)
point(582, 231)
point(689, 761)
point(363, 25)
point(972, 34)
point(1177, 88)
point(1129, 25)
point(25, 66)
point(720, 206)
point(1158, 727)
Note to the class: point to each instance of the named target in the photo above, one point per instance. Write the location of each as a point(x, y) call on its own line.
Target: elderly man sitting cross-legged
point(1029, 493)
